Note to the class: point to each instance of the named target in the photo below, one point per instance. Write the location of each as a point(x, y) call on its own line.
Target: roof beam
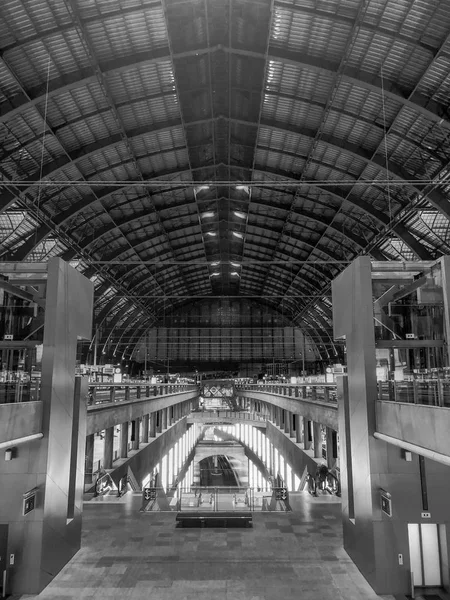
point(430, 109)
point(436, 198)
point(400, 230)
point(103, 193)
point(334, 17)
point(327, 223)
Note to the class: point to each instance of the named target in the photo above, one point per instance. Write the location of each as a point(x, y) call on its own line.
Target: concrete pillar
point(164, 418)
point(277, 416)
point(159, 421)
point(152, 418)
point(331, 447)
point(108, 448)
point(89, 460)
point(272, 459)
point(306, 440)
point(124, 440)
point(298, 429)
point(293, 425)
point(145, 420)
point(135, 434)
point(287, 422)
point(317, 435)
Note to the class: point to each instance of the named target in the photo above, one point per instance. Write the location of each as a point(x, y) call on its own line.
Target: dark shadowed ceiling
point(207, 148)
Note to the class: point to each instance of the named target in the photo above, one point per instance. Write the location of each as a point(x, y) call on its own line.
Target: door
point(3, 559)
point(425, 554)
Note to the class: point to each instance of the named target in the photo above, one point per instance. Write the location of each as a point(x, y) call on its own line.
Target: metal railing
point(324, 392)
point(242, 415)
point(19, 391)
point(210, 499)
point(12, 391)
point(434, 392)
point(107, 393)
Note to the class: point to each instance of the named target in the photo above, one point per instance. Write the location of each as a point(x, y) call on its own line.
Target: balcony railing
point(434, 392)
point(19, 391)
point(106, 393)
point(99, 393)
point(210, 415)
point(324, 392)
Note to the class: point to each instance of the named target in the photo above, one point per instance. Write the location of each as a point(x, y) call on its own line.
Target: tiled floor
point(285, 556)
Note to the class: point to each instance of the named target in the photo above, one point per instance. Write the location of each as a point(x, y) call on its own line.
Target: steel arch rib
point(436, 198)
point(361, 242)
point(61, 218)
point(432, 110)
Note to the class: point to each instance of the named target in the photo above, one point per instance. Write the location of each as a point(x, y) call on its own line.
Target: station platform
point(128, 554)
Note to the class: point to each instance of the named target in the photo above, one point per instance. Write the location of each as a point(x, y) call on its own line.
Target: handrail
point(100, 393)
point(434, 392)
point(324, 392)
point(30, 391)
point(211, 415)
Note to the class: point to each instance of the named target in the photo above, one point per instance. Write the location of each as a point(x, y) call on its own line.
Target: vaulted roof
point(250, 148)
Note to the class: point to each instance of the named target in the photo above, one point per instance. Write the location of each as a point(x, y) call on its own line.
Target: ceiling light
point(238, 235)
point(235, 264)
point(239, 214)
point(200, 188)
point(207, 214)
point(211, 233)
point(215, 274)
point(245, 188)
point(216, 263)
point(235, 274)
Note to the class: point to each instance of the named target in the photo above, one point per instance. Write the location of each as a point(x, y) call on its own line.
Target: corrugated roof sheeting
point(140, 31)
point(305, 105)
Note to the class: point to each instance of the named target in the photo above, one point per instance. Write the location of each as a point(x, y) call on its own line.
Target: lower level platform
point(129, 554)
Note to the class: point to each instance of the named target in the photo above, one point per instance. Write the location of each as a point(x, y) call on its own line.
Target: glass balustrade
point(399, 321)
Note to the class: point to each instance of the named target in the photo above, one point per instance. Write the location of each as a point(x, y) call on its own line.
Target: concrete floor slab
point(128, 554)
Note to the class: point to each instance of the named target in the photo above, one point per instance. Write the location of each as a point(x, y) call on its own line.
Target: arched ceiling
point(182, 149)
